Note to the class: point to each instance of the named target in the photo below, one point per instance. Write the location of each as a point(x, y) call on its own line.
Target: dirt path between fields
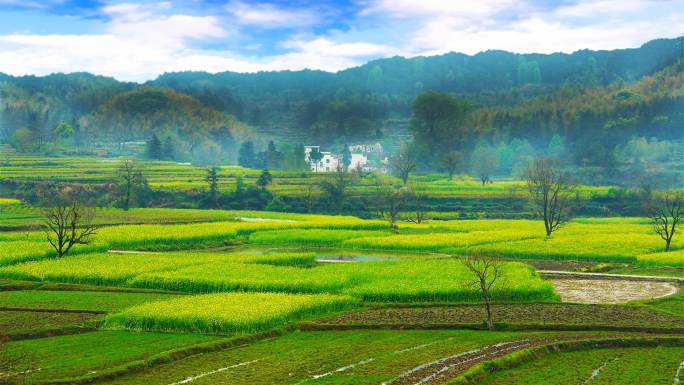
point(131, 252)
point(249, 219)
point(624, 277)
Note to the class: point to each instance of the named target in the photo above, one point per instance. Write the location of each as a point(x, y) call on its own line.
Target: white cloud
point(602, 8)
point(326, 47)
point(139, 24)
point(266, 15)
point(139, 60)
point(520, 27)
point(438, 8)
point(141, 41)
point(538, 35)
point(138, 42)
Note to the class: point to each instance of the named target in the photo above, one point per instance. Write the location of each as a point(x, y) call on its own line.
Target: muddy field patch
point(610, 290)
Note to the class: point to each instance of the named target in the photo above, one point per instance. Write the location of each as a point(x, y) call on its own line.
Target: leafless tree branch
point(487, 270)
point(551, 191)
point(666, 211)
point(68, 225)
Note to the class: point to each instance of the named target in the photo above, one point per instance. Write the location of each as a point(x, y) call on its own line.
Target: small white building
point(360, 158)
point(328, 162)
point(307, 151)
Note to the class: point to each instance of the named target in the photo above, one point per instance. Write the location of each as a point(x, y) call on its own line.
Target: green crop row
point(226, 312)
point(24, 246)
point(404, 280)
point(173, 176)
point(589, 239)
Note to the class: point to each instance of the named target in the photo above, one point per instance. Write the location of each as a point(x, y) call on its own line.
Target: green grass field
point(404, 280)
point(76, 300)
point(71, 356)
point(17, 323)
point(673, 304)
point(361, 357)
point(166, 297)
point(645, 365)
point(618, 241)
point(172, 176)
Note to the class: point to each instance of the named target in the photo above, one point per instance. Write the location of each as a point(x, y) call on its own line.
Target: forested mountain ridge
point(625, 92)
point(356, 102)
point(650, 106)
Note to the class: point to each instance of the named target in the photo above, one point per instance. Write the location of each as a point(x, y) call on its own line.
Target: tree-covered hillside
point(603, 97)
point(146, 112)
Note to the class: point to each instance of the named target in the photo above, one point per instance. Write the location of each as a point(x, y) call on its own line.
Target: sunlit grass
point(226, 312)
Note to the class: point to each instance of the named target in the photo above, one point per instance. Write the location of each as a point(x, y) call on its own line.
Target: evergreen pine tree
point(169, 149)
point(154, 148)
point(246, 155)
point(264, 179)
point(239, 187)
point(212, 180)
point(346, 157)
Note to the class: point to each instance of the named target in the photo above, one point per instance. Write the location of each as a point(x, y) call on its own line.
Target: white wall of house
point(328, 162)
point(358, 160)
point(307, 151)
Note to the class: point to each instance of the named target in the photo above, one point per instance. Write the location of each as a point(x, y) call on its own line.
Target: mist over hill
point(602, 98)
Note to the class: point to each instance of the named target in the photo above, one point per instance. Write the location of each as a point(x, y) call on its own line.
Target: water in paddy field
point(350, 258)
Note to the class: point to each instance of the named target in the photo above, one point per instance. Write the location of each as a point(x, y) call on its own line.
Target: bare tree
point(379, 196)
point(551, 191)
point(418, 198)
point(451, 161)
point(391, 202)
point(666, 211)
point(403, 163)
point(487, 270)
point(67, 225)
point(130, 178)
point(484, 162)
point(310, 196)
point(336, 187)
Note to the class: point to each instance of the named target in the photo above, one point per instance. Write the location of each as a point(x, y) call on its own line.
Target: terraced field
point(174, 176)
point(183, 185)
point(641, 365)
point(630, 242)
point(255, 297)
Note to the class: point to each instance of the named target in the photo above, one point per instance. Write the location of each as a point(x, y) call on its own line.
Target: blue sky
point(137, 40)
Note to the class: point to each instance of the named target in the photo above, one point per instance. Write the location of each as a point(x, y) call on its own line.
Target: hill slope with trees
point(604, 97)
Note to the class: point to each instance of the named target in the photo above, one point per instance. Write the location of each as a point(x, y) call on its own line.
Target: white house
point(328, 162)
point(359, 158)
point(307, 151)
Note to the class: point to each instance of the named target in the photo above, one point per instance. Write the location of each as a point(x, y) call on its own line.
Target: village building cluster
point(365, 157)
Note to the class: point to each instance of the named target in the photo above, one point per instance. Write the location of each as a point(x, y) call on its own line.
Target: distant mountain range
point(628, 91)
